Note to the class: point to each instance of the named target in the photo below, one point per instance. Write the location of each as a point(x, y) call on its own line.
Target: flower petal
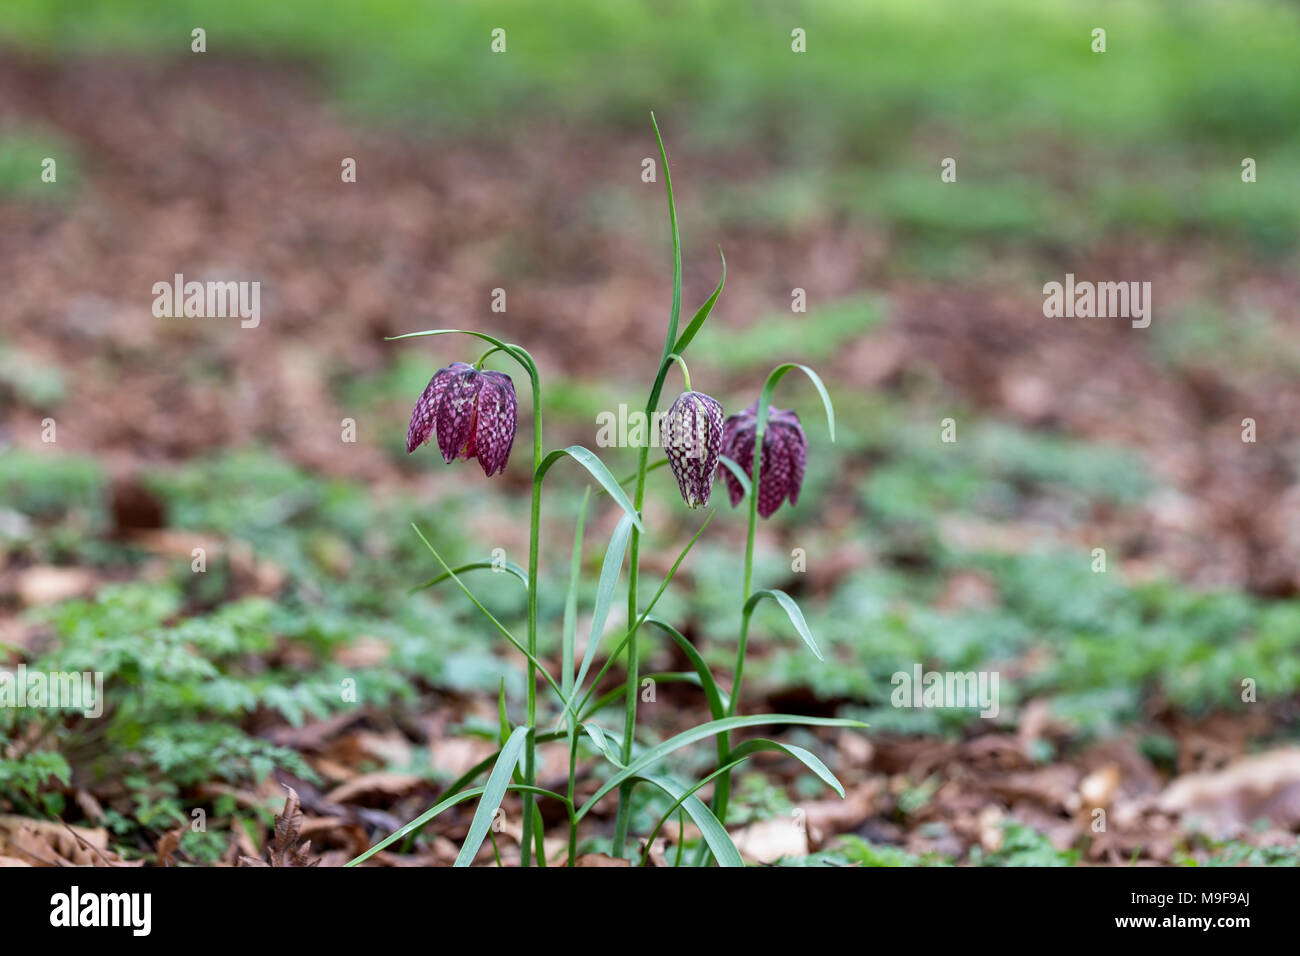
point(455, 412)
point(425, 411)
point(709, 469)
point(774, 478)
point(498, 418)
point(738, 445)
point(785, 456)
point(796, 444)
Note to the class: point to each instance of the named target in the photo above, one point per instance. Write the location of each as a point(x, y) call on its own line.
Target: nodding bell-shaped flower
point(474, 412)
point(785, 453)
point(692, 438)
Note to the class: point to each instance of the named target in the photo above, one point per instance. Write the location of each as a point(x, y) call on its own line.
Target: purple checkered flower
point(785, 453)
point(474, 413)
point(692, 439)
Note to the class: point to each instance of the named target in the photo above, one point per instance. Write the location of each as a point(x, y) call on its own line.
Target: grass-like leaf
point(792, 611)
point(676, 313)
point(769, 387)
point(652, 756)
point(508, 566)
point(442, 805)
point(627, 635)
point(683, 797)
point(503, 716)
point(691, 330)
point(505, 632)
point(493, 793)
point(711, 829)
point(805, 757)
point(609, 571)
point(693, 327)
point(589, 460)
point(717, 700)
point(571, 600)
point(715, 834)
point(739, 473)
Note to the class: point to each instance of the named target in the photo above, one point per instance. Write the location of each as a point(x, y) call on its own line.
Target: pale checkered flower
point(692, 439)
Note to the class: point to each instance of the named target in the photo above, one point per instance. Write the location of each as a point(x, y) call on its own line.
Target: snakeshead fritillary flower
point(692, 439)
point(475, 414)
point(785, 453)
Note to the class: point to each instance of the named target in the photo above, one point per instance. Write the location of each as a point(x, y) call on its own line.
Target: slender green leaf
point(506, 566)
point(418, 822)
point(489, 615)
point(693, 327)
point(711, 829)
point(739, 472)
point(655, 754)
point(539, 836)
point(806, 757)
point(601, 739)
point(792, 611)
point(593, 464)
point(446, 804)
point(503, 717)
point(675, 315)
point(769, 387)
point(627, 635)
point(473, 772)
point(664, 677)
point(609, 571)
point(493, 792)
point(725, 768)
point(717, 706)
point(571, 600)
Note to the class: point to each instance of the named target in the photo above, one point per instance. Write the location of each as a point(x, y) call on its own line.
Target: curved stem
point(722, 792)
point(686, 373)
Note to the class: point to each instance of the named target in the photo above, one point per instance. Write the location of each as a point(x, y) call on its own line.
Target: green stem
point(634, 547)
point(632, 680)
point(722, 792)
point(573, 786)
point(745, 615)
point(534, 531)
point(686, 373)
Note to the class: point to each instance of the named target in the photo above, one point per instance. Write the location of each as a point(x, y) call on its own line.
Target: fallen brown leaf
point(286, 849)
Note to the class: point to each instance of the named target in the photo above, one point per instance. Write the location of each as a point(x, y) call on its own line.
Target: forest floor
point(174, 434)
